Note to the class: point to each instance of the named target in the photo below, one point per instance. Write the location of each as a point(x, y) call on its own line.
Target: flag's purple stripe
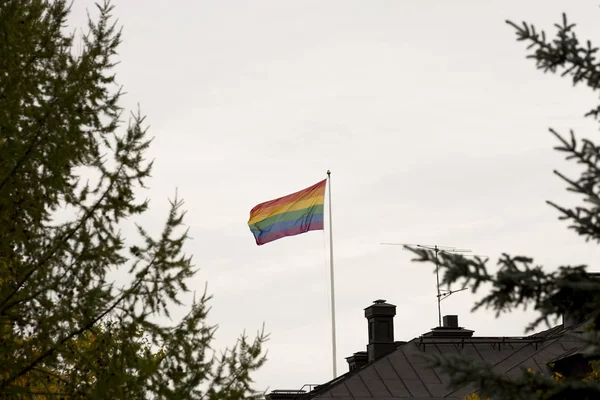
point(311, 226)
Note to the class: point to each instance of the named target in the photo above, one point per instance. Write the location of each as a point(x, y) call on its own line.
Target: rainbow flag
point(289, 215)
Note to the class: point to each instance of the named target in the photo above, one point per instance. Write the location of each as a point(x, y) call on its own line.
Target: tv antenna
point(441, 293)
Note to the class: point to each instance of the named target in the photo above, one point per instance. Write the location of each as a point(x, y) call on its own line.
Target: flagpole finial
point(328, 172)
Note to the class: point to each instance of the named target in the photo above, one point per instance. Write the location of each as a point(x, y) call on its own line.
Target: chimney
point(357, 360)
point(573, 319)
point(380, 317)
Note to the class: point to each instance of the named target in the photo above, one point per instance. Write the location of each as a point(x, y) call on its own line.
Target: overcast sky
point(433, 123)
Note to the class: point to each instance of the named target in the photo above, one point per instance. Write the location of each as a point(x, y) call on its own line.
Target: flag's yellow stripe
point(268, 212)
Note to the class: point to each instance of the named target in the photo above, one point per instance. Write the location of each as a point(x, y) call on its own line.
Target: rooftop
point(402, 371)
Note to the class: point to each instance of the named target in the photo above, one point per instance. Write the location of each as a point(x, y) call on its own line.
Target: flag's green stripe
point(286, 216)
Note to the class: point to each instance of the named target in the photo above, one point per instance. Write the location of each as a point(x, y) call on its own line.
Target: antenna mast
point(441, 294)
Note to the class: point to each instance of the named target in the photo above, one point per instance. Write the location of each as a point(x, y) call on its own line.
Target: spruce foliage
point(519, 281)
point(69, 173)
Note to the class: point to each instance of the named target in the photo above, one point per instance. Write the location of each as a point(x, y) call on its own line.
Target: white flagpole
point(331, 277)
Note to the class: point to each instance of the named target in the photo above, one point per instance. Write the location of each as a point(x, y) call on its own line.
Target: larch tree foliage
point(519, 281)
point(67, 330)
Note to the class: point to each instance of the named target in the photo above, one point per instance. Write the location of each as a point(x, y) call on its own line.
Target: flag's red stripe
point(314, 189)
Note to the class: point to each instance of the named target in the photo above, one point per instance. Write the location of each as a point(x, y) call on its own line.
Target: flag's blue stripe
point(284, 225)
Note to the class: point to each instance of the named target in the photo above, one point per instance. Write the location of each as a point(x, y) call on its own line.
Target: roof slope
point(405, 374)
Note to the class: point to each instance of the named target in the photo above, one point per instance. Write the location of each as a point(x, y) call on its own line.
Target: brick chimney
point(571, 320)
point(380, 317)
point(357, 360)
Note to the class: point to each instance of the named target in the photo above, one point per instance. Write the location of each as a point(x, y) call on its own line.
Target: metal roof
point(405, 374)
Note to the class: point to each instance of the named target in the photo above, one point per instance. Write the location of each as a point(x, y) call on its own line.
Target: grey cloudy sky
point(433, 124)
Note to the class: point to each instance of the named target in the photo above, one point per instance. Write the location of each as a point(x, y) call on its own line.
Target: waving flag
point(289, 215)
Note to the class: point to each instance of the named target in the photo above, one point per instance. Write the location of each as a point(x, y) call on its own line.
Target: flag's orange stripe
point(316, 189)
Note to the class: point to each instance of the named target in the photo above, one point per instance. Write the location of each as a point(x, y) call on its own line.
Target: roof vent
point(450, 328)
point(450, 321)
point(284, 394)
point(379, 301)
